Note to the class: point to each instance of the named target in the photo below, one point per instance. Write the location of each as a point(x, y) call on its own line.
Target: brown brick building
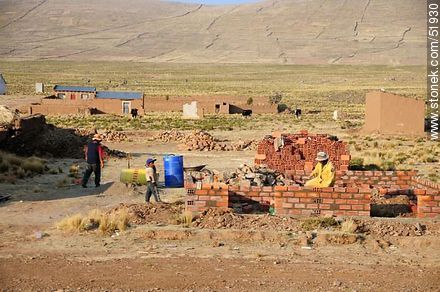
point(83, 100)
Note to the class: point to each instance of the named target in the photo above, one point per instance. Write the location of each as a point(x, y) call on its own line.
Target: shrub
point(318, 223)
point(349, 226)
point(282, 107)
point(276, 97)
point(250, 101)
point(33, 165)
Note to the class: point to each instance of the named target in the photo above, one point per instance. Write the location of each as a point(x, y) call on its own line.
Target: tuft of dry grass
point(71, 223)
point(106, 223)
point(349, 226)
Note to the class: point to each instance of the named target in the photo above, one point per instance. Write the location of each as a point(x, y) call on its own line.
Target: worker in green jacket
point(323, 175)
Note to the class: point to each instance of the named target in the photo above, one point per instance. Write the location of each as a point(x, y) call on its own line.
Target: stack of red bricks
point(299, 152)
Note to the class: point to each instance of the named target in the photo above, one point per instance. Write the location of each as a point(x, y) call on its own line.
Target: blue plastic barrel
point(173, 169)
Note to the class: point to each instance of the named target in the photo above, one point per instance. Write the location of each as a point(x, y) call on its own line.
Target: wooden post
point(128, 160)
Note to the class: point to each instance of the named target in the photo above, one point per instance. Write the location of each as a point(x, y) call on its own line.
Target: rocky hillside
point(273, 31)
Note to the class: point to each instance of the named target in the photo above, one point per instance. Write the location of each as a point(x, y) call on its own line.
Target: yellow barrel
point(133, 175)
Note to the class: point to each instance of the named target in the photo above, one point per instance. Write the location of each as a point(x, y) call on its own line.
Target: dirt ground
point(35, 256)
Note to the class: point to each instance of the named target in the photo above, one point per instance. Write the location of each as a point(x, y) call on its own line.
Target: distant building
point(392, 114)
point(39, 88)
point(86, 100)
point(3, 87)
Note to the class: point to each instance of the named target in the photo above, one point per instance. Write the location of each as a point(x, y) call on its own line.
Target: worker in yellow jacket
point(323, 174)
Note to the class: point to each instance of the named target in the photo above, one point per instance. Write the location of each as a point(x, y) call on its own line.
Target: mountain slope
point(283, 31)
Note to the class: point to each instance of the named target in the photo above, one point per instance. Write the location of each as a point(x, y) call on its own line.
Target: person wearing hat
point(323, 175)
point(94, 155)
point(151, 177)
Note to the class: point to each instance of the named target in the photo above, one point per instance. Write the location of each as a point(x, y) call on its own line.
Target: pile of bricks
point(299, 152)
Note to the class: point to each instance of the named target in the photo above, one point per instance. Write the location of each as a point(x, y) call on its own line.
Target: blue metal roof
point(74, 88)
point(119, 95)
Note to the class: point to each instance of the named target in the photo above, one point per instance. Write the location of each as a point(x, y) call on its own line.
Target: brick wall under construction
point(299, 152)
point(297, 200)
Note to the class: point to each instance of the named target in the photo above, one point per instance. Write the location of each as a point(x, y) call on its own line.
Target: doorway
point(126, 107)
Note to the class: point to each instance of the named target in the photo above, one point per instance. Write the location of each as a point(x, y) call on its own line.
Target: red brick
point(200, 203)
point(423, 209)
point(288, 194)
point(365, 191)
point(306, 200)
point(222, 204)
point(343, 167)
point(358, 196)
point(203, 198)
point(431, 215)
point(430, 204)
point(352, 213)
point(300, 194)
point(364, 213)
point(300, 206)
point(345, 207)
point(306, 212)
point(293, 200)
point(312, 206)
point(280, 188)
point(267, 189)
point(256, 189)
point(206, 186)
point(287, 205)
point(352, 190)
point(345, 157)
point(312, 195)
point(324, 206)
point(346, 196)
point(326, 195)
point(357, 207)
point(424, 198)
point(293, 188)
point(339, 190)
point(340, 212)
point(278, 194)
point(328, 201)
point(435, 209)
point(260, 156)
point(328, 190)
point(340, 201)
point(419, 192)
point(201, 192)
point(294, 212)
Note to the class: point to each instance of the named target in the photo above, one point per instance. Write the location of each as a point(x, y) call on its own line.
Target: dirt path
point(184, 273)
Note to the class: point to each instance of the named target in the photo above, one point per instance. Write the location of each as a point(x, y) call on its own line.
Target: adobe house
point(387, 113)
point(86, 100)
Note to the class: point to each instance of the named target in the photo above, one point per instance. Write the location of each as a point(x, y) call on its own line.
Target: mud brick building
point(86, 100)
point(351, 195)
point(387, 113)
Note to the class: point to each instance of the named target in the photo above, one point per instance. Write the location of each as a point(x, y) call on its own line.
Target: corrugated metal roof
point(119, 95)
point(74, 88)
